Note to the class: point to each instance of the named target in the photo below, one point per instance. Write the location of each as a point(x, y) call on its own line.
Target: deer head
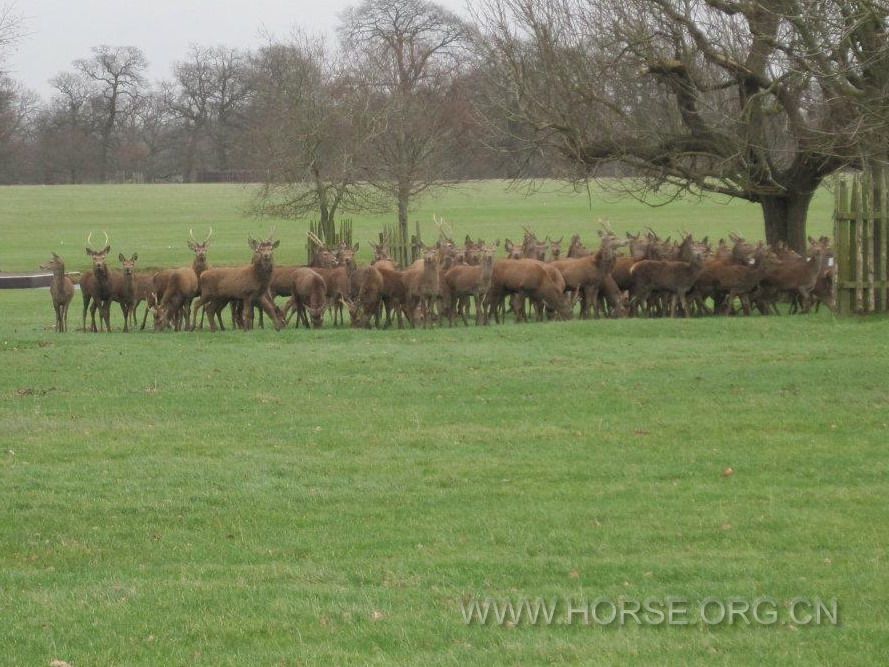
point(199, 248)
point(56, 264)
point(100, 268)
point(512, 250)
point(263, 251)
point(555, 248)
point(381, 251)
point(129, 265)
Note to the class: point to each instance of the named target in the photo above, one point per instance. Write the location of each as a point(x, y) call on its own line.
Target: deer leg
point(267, 305)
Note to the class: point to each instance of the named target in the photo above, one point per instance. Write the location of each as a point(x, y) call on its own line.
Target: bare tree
point(755, 100)
point(409, 52)
point(66, 129)
point(207, 96)
point(117, 72)
point(309, 132)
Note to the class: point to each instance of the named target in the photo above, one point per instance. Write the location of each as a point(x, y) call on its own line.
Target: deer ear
point(191, 245)
point(121, 257)
point(356, 247)
point(276, 243)
point(135, 256)
point(251, 242)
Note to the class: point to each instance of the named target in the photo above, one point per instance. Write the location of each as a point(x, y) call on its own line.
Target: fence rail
point(861, 237)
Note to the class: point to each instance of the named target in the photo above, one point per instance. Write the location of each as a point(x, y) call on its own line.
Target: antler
point(529, 233)
point(272, 233)
point(606, 226)
point(314, 239)
point(89, 240)
point(207, 240)
point(191, 234)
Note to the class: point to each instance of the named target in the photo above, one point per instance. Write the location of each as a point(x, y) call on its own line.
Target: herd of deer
point(655, 277)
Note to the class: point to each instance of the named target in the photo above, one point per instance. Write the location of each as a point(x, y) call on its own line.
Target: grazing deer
point(674, 277)
point(61, 290)
point(144, 292)
point(95, 286)
point(464, 281)
point(248, 284)
point(309, 294)
point(365, 291)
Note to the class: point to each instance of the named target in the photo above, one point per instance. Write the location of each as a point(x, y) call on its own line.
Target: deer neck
point(58, 274)
point(263, 274)
point(199, 265)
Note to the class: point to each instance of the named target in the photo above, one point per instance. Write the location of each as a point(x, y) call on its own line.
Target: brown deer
point(584, 276)
point(393, 295)
point(144, 292)
point(528, 278)
point(464, 281)
point(95, 286)
point(247, 284)
point(577, 249)
point(334, 273)
point(365, 292)
point(308, 295)
point(61, 290)
point(674, 277)
point(175, 289)
point(794, 277)
point(421, 287)
point(123, 288)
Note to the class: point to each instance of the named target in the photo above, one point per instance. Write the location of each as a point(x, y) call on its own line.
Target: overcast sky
point(60, 31)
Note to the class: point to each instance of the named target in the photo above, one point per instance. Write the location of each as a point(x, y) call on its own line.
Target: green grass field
point(337, 497)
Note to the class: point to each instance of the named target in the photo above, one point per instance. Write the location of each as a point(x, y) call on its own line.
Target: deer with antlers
point(61, 290)
point(175, 289)
point(95, 286)
point(245, 284)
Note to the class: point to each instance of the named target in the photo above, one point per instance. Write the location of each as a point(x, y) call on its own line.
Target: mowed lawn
point(336, 497)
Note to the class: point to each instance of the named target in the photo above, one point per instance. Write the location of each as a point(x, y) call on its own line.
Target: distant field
point(154, 220)
point(335, 497)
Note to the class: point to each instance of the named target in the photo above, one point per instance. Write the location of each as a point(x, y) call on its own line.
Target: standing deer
point(176, 288)
point(123, 288)
point(61, 290)
point(421, 287)
point(247, 284)
point(464, 281)
point(674, 277)
point(95, 286)
point(530, 278)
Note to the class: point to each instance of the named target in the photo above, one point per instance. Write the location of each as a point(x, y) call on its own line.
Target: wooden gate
point(861, 238)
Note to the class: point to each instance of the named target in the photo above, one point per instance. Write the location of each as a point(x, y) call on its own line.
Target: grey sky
point(60, 31)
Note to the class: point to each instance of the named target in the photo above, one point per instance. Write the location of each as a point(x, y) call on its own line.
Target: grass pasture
point(335, 496)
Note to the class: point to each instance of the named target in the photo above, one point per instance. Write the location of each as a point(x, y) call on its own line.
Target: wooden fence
point(861, 238)
point(404, 251)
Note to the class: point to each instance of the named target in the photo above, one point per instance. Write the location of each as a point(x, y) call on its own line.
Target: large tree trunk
point(404, 195)
point(785, 218)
